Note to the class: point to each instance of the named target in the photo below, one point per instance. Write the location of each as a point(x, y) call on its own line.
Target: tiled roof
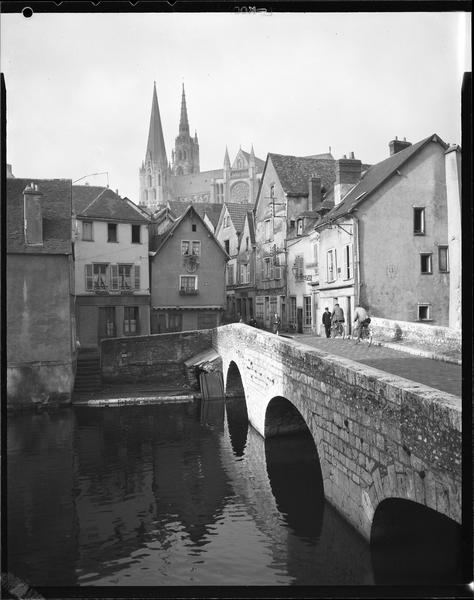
point(295, 171)
point(56, 206)
point(211, 209)
point(195, 183)
point(105, 205)
point(375, 176)
point(237, 213)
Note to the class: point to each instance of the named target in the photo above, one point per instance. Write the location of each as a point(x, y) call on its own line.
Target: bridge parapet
point(378, 436)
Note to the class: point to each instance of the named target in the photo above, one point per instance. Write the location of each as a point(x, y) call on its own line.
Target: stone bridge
point(378, 437)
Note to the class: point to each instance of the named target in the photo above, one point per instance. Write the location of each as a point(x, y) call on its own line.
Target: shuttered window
point(88, 277)
point(114, 276)
point(136, 277)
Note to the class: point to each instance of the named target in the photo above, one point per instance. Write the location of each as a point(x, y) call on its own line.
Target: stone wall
point(378, 436)
point(443, 338)
point(152, 358)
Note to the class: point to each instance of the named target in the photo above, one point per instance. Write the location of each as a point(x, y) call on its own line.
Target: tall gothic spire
point(183, 122)
point(156, 143)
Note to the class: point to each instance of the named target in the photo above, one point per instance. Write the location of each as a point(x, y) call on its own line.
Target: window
point(307, 311)
point(125, 277)
point(226, 246)
point(443, 259)
point(292, 223)
point(88, 277)
point(247, 243)
point(136, 234)
point(149, 181)
point(267, 269)
point(107, 321)
point(244, 273)
point(185, 247)
point(226, 221)
point(299, 227)
point(87, 231)
point(331, 265)
point(230, 274)
point(419, 221)
point(196, 248)
point(273, 305)
point(188, 283)
point(259, 307)
point(292, 315)
point(268, 231)
point(111, 232)
point(299, 266)
point(100, 276)
point(272, 191)
point(193, 227)
point(153, 192)
point(130, 320)
point(424, 312)
point(348, 261)
point(426, 263)
point(136, 274)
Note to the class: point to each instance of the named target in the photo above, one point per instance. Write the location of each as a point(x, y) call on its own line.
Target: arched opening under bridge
point(412, 544)
point(294, 469)
point(236, 410)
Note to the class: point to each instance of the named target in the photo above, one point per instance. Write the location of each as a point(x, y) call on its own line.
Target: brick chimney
point(348, 171)
point(396, 145)
point(33, 213)
point(10, 172)
point(314, 192)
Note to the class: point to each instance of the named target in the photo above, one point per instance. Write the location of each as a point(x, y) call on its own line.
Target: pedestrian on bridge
point(276, 324)
point(327, 321)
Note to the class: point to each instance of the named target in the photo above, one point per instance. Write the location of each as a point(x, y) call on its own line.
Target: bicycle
point(365, 334)
point(338, 328)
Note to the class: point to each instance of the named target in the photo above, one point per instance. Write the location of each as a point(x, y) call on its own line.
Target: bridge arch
point(411, 542)
point(236, 410)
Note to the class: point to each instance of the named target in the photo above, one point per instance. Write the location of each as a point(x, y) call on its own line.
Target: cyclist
point(337, 318)
point(362, 316)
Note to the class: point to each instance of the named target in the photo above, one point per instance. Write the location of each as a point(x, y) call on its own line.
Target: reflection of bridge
point(379, 437)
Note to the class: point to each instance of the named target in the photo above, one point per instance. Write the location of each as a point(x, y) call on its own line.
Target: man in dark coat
point(327, 321)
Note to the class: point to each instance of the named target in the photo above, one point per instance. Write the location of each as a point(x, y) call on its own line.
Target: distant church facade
point(181, 179)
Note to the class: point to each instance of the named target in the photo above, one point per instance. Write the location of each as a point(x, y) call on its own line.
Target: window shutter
point(137, 277)
point(114, 276)
point(88, 276)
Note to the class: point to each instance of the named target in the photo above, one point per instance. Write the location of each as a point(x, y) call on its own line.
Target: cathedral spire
point(183, 123)
point(155, 149)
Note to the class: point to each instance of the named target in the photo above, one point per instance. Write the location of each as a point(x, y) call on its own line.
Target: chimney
point(396, 145)
point(348, 172)
point(314, 192)
point(33, 214)
point(9, 172)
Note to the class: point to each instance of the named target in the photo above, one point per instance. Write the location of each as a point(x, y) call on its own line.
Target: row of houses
point(387, 236)
point(84, 264)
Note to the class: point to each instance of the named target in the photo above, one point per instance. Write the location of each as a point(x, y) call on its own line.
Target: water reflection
point(237, 421)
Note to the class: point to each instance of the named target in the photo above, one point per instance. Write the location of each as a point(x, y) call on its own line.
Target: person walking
point(362, 316)
point(276, 323)
point(337, 316)
point(327, 321)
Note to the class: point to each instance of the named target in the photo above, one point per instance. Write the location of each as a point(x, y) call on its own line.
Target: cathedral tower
point(185, 156)
point(154, 171)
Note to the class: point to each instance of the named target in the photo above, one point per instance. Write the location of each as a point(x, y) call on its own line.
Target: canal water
point(171, 494)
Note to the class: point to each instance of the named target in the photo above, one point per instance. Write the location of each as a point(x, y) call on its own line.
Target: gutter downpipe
point(357, 284)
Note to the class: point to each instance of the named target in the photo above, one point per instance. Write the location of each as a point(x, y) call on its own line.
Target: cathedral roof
point(156, 143)
point(105, 204)
point(259, 163)
point(195, 183)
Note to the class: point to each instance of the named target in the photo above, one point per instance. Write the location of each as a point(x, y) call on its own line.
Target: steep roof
point(189, 211)
point(295, 171)
point(195, 183)
point(237, 213)
point(56, 207)
point(376, 175)
point(156, 144)
point(259, 163)
point(211, 209)
point(104, 203)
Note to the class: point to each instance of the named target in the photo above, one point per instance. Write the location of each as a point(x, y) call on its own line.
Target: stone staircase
point(88, 375)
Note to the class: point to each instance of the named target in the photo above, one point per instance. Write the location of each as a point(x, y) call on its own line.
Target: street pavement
point(440, 375)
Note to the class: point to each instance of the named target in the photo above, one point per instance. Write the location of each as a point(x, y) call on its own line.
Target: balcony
point(188, 292)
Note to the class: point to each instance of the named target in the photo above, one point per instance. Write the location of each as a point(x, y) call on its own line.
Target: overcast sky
point(79, 86)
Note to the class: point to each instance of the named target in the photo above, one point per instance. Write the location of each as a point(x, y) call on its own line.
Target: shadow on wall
point(412, 544)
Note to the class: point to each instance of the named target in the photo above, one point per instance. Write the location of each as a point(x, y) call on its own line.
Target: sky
point(79, 86)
